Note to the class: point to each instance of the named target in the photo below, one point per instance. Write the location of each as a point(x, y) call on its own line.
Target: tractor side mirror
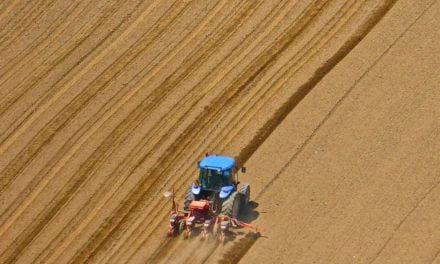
point(243, 169)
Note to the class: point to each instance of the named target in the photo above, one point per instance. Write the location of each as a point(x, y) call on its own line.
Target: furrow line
point(292, 66)
point(165, 121)
point(403, 220)
point(32, 196)
point(56, 63)
point(46, 134)
point(139, 115)
point(54, 94)
point(217, 144)
point(302, 64)
point(31, 81)
point(22, 27)
point(18, 60)
point(377, 15)
point(5, 10)
point(17, 19)
point(161, 137)
point(52, 173)
point(69, 149)
point(190, 133)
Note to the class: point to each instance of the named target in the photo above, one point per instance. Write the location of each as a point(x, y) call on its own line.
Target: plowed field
point(332, 105)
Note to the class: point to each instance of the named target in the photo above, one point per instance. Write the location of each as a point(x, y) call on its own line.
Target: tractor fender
point(195, 189)
point(225, 191)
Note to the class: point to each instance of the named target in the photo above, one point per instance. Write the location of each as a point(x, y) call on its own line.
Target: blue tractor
point(218, 183)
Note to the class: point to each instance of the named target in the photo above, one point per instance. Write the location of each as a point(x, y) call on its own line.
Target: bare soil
point(332, 105)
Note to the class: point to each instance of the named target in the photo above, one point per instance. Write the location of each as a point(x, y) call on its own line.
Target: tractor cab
point(215, 178)
point(216, 172)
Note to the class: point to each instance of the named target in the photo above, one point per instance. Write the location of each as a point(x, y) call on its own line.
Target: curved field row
point(104, 105)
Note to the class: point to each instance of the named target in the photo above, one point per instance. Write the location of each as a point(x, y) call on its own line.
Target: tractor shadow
point(249, 213)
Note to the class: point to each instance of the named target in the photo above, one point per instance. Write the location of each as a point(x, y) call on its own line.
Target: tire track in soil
point(33, 28)
point(15, 92)
point(41, 224)
point(18, 164)
point(59, 88)
point(28, 83)
point(403, 220)
point(42, 187)
point(57, 63)
point(17, 19)
point(233, 256)
point(282, 118)
point(161, 255)
point(22, 27)
point(289, 69)
point(162, 206)
point(256, 100)
point(5, 6)
point(58, 156)
point(4, 12)
point(47, 33)
point(171, 130)
point(178, 170)
point(63, 117)
point(193, 142)
point(194, 129)
point(247, 237)
point(12, 99)
point(139, 115)
point(167, 245)
point(18, 61)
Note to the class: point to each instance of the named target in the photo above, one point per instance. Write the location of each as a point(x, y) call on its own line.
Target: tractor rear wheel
point(189, 197)
point(231, 207)
point(245, 191)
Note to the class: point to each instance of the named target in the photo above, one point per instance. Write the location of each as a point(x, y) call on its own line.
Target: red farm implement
point(201, 218)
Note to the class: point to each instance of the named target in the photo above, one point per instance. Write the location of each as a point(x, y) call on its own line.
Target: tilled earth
point(332, 105)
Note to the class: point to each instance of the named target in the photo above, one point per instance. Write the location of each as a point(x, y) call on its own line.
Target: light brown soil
point(333, 107)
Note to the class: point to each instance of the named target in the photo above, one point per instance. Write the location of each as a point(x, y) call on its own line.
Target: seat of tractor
point(199, 205)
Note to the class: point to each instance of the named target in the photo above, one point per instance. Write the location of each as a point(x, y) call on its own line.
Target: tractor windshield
point(213, 179)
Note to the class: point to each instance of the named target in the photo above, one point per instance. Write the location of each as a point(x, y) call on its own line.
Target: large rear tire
point(245, 192)
point(189, 197)
point(231, 206)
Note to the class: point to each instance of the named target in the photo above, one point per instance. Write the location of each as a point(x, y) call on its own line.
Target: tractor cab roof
point(215, 162)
